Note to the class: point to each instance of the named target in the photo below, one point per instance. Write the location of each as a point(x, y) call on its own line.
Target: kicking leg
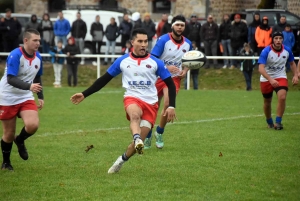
point(9, 129)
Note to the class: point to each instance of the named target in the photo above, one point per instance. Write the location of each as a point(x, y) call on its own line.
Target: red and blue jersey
point(171, 52)
point(25, 69)
point(275, 61)
point(139, 76)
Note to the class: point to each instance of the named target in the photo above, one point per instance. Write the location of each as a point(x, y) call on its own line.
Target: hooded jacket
point(288, 39)
point(33, 23)
point(263, 34)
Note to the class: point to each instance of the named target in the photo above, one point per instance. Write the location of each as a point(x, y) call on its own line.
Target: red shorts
point(11, 111)
point(267, 88)
point(160, 85)
point(149, 111)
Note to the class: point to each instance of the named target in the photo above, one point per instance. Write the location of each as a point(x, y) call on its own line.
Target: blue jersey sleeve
point(159, 47)
point(190, 43)
point(40, 72)
point(115, 69)
point(291, 55)
point(264, 56)
point(13, 62)
point(162, 70)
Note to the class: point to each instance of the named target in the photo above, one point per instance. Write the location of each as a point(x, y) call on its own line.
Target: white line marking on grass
point(182, 122)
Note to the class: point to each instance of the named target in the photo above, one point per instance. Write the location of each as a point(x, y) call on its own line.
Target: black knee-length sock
point(6, 149)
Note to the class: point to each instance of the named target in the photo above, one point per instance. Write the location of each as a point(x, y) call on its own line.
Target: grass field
point(257, 163)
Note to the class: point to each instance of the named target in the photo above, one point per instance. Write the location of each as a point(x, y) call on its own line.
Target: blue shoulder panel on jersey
point(159, 47)
point(13, 62)
point(41, 67)
point(291, 55)
point(264, 55)
point(190, 43)
point(115, 69)
point(162, 70)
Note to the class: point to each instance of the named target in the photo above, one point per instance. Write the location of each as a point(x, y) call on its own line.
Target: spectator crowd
point(229, 37)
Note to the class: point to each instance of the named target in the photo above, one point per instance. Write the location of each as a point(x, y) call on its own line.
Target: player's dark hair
point(135, 32)
point(27, 33)
point(178, 18)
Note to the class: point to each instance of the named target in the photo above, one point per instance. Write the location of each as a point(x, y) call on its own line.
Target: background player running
point(169, 48)
point(272, 62)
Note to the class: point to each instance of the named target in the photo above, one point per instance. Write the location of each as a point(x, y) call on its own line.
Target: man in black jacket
point(11, 29)
point(78, 31)
point(125, 30)
point(224, 39)
point(97, 32)
point(209, 36)
point(111, 33)
point(238, 35)
point(194, 27)
point(280, 26)
point(149, 26)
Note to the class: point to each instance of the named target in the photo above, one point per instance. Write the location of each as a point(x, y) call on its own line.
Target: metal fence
point(98, 58)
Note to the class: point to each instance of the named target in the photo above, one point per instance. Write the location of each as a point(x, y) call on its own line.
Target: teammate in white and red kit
point(22, 76)
point(272, 62)
point(169, 48)
point(139, 73)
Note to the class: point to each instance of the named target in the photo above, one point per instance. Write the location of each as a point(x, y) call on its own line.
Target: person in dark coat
point(280, 26)
point(247, 65)
point(78, 31)
point(149, 26)
point(238, 34)
point(96, 31)
point(71, 50)
point(111, 33)
point(33, 23)
point(251, 32)
point(209, 36)
point(194, 28)
point(125, 30)
point(224, 39)
point(11, 29)
point(46, 31)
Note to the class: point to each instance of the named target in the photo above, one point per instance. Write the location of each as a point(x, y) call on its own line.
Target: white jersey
point(171, 52)
point(139, 76)
point(24, 68)
point(275, 62)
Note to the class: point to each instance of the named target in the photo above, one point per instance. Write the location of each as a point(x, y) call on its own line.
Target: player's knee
point(268, 101)
point(281, 97)
point(135, 117)
point(32, 127)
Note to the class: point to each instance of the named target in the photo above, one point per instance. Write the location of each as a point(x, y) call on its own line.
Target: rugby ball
point(193, 59)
